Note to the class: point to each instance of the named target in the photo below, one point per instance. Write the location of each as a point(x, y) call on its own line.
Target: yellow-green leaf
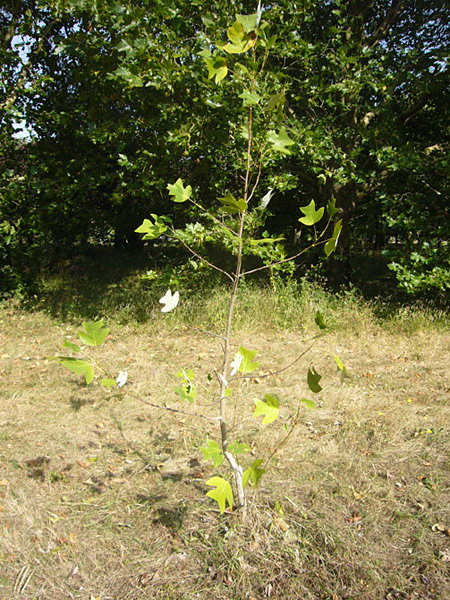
point(253, 473)
point(270, 408)
point(222, 494)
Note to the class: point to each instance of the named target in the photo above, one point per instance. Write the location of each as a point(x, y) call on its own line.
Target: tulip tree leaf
point(330, 246)
point(313, 379)
point(250, 97)
point(312, 216)
point(178, 191)
point(94, 334)
point(187, 390)
point(238, 448)
point(73, 347)
point(240, 42)
point(247, 364)
point(248, 22)
point(342, 369)
point(275, 101)
point(108, 383)
point(269, 408)
point(280, 142)
point(265, 200)
point(217, 67)
point(231, 205)
point(78, 366)
point(331, 207)
point(153, 230)
point(222, 494)
point(308, 403)
point(253, 473)
point(212, 452)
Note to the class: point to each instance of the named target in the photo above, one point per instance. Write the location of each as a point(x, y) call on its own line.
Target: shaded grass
point(111, 287)
point(104, 497)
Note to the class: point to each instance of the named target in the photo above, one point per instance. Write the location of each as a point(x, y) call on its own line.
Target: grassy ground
point(103, 497)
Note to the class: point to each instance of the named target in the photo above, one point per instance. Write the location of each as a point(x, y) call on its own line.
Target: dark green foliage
point(118, 101)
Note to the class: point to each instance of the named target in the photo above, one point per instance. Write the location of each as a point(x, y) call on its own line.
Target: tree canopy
point(120, 98)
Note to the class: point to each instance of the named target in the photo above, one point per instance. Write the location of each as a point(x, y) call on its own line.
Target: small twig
point(280, 262)
point(210, 333)
point(290, 258)
point(209, 214)
point(286, 437)
point(170, 409)
point(256, 182)
point(273, 373)
point(210, 264)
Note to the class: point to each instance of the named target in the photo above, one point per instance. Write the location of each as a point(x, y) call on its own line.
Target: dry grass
point(102, 497)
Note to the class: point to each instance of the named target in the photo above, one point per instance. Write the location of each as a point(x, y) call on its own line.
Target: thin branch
point(171, 409)
point(212, 216)
point(284, 260)
point(286, 437)
point(192, 251)
point(392, 14)
point(210, 333)
point(256, 182)
point(280, 262)
point(273, 373)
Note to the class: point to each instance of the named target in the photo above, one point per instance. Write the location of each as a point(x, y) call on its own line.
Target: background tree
point(108, 91)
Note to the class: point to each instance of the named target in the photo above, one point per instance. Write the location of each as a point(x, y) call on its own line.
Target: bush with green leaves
point(237, 224)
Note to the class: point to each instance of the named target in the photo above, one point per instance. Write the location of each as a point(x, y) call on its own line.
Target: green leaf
point(238, 448)
point(212, 452)
point(179, 192)
point(342, 369)
point(330, 246)
point(94, 334)
point(318, 318)
point(240, 42)
point(217, 68)
point(248, 22)
point(124, 46)
point(253, 473)
point(243, 361)
point(186, 374)
point(280, 142)
point(236, 33)
point(78, 366)
point(242, 68)
point(331, 207)
point(153, 230)
point(187, 391)
point(222, 494)
point(312, 216)
point(275, 101)
point(313, 380)
point(250, 97)
point(73, 347)
point(270, 409)
point(108, 383)
point(308, 403)
point(231, 205)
